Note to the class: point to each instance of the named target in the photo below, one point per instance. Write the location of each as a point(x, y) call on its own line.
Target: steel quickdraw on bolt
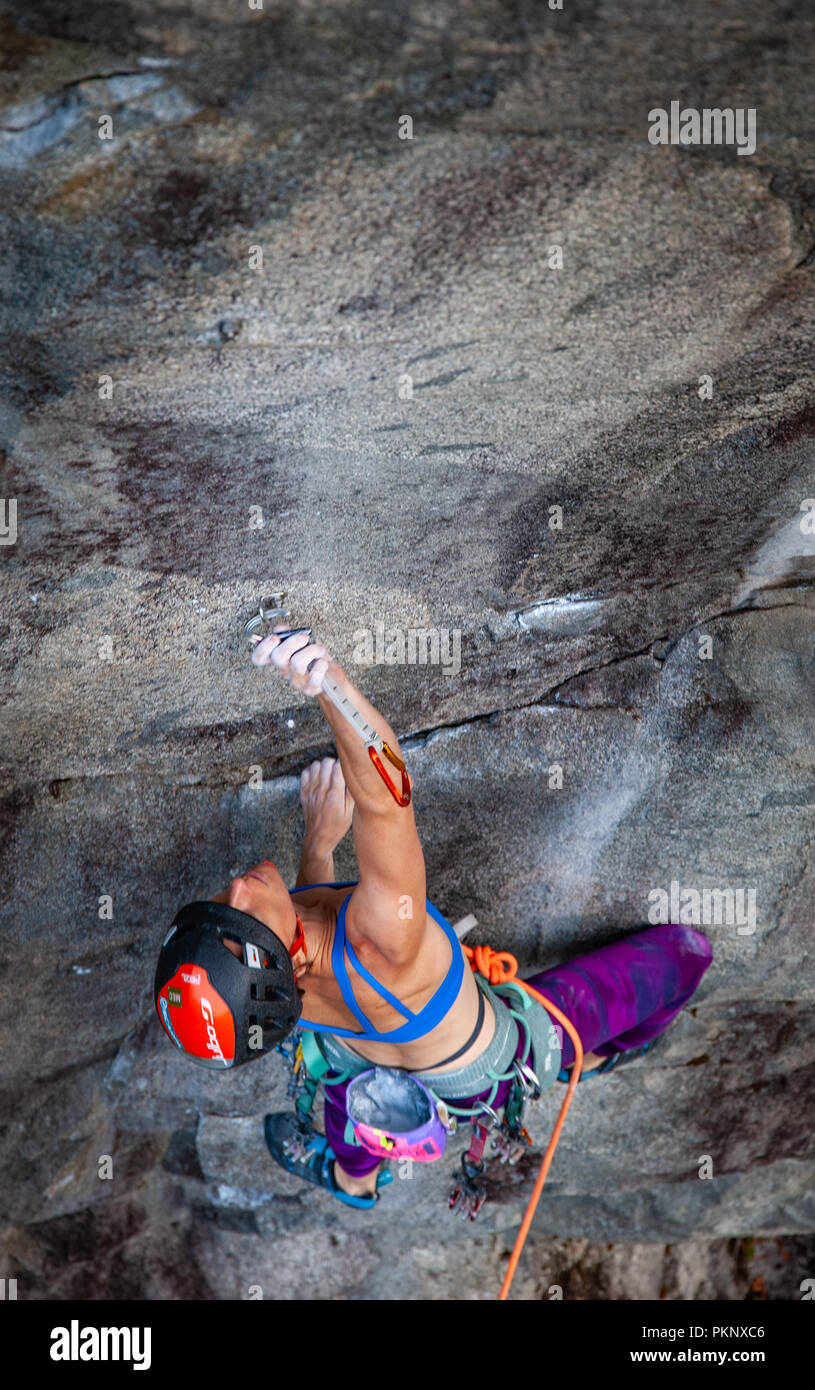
point(259, 626)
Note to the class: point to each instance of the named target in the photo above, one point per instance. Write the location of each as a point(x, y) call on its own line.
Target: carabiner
point(528, 1080)
point(403, 797)
point(259, 626)
point(268, 608)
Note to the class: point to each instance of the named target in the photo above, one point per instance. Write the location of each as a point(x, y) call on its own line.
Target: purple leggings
point(617, 997)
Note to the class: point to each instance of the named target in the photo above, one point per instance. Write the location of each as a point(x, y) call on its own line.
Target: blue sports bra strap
point(380, 988)
point(436, 1008)
point(341, 972)
point(338, 965)
point(417, 1025)
point(352, 883)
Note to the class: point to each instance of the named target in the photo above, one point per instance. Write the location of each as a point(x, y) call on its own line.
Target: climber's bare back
point(414, 982)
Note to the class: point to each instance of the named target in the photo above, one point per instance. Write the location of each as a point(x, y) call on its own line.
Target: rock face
point(524, 379)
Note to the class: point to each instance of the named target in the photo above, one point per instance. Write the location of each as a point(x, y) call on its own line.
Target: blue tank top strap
point(417, 1025)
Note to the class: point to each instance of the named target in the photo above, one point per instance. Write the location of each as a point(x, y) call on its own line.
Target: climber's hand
point(327, 806)
point(293, 657)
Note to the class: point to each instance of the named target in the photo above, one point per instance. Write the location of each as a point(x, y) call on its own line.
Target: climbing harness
point(508, 1136)
point(424, 1143)
point(259, 626)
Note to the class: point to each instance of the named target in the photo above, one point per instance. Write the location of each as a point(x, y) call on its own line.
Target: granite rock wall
point(524, 378)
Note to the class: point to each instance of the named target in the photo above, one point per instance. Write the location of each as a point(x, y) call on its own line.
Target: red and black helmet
point(219, 1010)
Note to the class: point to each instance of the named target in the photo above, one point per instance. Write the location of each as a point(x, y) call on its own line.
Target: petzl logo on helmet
point(209, 1018)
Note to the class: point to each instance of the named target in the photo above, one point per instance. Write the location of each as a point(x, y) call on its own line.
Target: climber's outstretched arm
point(387, 912)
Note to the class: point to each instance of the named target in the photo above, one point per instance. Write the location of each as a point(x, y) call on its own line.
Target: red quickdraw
point(403, 797)
point(258, 626)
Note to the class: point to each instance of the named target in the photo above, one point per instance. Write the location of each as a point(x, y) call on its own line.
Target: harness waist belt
point(496, 1057)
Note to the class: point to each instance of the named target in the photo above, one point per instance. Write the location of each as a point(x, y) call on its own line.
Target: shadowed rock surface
point(256, 343)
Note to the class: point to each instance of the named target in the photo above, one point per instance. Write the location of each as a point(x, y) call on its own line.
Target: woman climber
point(379, 965)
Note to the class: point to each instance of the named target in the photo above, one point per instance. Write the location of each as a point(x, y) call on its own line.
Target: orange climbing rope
point(498, 967)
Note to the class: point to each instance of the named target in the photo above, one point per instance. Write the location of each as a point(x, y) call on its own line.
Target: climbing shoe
point(617, 1059)
point(302, 1151)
